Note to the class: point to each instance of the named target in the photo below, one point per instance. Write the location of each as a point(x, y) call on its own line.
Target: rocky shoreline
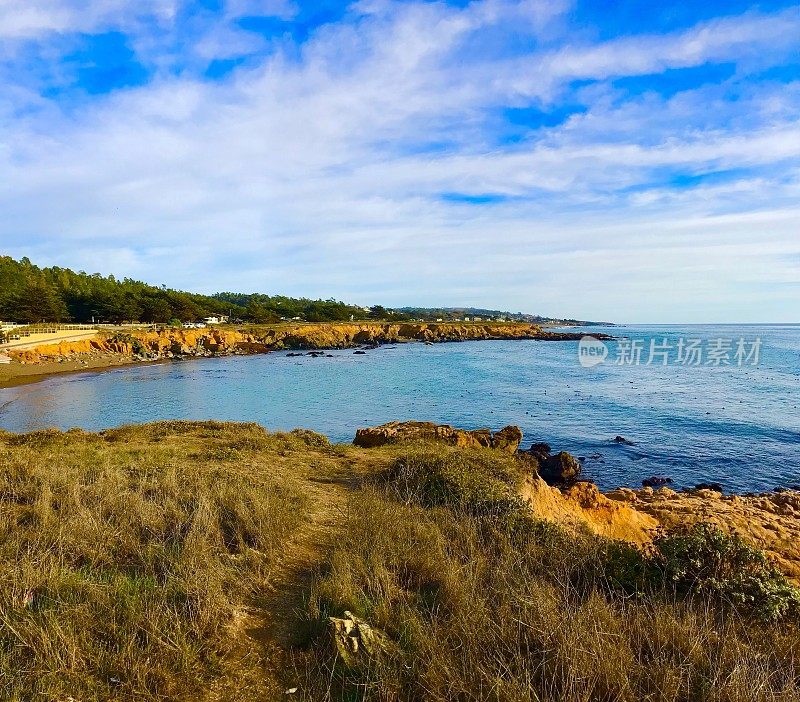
point(555, 492)
point(114, 349)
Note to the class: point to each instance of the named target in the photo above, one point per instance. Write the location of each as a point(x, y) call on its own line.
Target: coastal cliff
point(139, 345)
point(769, 521)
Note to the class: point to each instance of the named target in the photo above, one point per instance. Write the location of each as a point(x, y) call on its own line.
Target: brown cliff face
point(144, 345)
point(170, 343)
point(345, 335)
point(770, 521)
point(583, 506)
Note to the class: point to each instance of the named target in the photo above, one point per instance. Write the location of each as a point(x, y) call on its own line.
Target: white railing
point(17, 332)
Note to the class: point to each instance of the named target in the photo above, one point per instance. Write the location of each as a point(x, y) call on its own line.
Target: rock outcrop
point(580, 506)
point(561, 468)
point(770, 521)
point(172, 343)
point(556, 469)
point(355, 641)
point(506, 439)
point(583, 506)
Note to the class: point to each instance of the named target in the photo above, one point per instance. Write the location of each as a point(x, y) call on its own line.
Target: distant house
point(220, 319)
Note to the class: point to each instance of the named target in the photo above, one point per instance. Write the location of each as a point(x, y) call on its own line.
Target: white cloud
point(320, 170)
point(24, 19)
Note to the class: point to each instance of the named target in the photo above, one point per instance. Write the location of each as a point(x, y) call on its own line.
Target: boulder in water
point(656, 481)
point(715, 487)
point(561, 468)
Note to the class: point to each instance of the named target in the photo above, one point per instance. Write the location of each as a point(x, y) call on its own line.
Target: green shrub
point(625, 568)
point(477, 482)
point(311, 438)
point(703, 558)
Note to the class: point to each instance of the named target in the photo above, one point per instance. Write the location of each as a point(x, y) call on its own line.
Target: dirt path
point(260, 665)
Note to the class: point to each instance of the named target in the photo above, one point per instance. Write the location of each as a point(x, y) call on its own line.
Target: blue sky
point(631, 161)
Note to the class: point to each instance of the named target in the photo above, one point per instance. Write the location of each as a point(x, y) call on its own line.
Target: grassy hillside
point(125, 557)
point(203, 561)
point(482, 601)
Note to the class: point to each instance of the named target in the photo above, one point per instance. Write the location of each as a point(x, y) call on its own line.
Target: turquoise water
point(739, 426)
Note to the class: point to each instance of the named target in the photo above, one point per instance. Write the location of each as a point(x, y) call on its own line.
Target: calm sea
point(736, 423)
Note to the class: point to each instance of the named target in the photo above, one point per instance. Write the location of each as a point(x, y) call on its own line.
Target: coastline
point(769, 521)
point(107, 350)
point(18, 375)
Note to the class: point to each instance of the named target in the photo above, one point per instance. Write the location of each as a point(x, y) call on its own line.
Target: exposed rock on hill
point(354, 640)
point(771, 521)
point(583, 506)
point(506, 439)
point(555, 469)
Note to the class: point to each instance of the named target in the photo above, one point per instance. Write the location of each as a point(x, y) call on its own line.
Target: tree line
point(32, 294)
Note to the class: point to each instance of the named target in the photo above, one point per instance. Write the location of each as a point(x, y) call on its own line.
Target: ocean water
point(737, 423)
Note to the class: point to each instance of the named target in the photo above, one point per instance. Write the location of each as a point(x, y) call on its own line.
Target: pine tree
point(36, 301)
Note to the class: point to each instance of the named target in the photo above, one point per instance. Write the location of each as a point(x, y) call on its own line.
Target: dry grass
point(123, 556)
point(486, 608)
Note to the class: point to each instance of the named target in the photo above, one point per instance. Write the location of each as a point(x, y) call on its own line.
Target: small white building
point(220, 319)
